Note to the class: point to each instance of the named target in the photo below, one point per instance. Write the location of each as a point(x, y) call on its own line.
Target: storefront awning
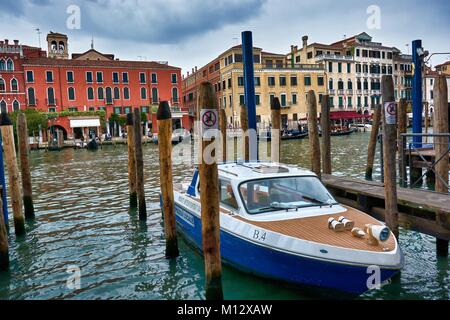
point(345, 115)
point(85, 123)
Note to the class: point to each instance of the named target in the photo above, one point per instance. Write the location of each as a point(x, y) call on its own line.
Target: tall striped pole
point(3, 183)
point(417, 94)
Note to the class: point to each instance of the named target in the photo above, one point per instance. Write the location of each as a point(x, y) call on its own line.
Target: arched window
point(175, 95)
point(143, 93)
point(3, 108)
point(71, 93)
point(116, 93)
point(330, 84)
point(109, 98)
point(350, 84)
point(14, 85)
point(2, 85)
point(51, 96)
point(10, 65)
point(90, 93)
point(126, 93)
point(16, 105)
point(155, 95)
point(54, 46)
point(61, 47)
point(2, 64)
point(340, 84)
point(100, 93)
point(31, 97)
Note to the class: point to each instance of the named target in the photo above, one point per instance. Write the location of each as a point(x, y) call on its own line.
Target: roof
point(255, 170)
point(104, 55)
point(443, 64)
point(96, 63)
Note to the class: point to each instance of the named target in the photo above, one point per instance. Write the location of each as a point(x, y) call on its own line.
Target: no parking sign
point(209, 119)
point(390, 112)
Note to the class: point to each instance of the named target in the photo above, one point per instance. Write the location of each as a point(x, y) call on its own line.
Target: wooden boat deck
point(316, 229)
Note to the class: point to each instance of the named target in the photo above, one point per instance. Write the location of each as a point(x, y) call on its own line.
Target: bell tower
point(57, 45)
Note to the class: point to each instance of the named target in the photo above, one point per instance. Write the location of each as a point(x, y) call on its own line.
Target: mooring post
point(139, 165)
point(24, 148)
point(13, 173)
point(164, 118)
point(373, 141)
point(4, 246)
point(132, 175)
point(3, 182)
point(417, 93)
point(314, 146)
point(223, 131)
point(275, 132)
point(402, 127)
point(326, 143)
point(245, 134)
point(209, 195)
point(389, 153)
point(440, 125)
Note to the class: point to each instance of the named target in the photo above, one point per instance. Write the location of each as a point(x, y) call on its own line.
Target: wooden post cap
point(5, 120)
point(275, 104)
point(130, 119)
point(163, 111)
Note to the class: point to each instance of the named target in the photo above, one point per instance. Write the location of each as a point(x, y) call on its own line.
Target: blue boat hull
point(266, 262)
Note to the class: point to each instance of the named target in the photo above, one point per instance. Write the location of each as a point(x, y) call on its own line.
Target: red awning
point(345, 115)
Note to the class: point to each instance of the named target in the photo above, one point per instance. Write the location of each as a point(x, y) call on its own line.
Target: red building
point(89, 81)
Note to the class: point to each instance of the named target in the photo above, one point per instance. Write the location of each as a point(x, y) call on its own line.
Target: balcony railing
point(109, 102)
point(332, 91)
point(299, 66)
point(366, 91)
point(350, 92)
point(334, 57)
point(359, 91)
point(375, 92)
point(341, 92)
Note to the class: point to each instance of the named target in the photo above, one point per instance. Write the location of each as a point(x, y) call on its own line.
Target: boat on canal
point(280, 222)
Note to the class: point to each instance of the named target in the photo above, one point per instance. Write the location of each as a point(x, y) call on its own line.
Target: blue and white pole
point(417, 94)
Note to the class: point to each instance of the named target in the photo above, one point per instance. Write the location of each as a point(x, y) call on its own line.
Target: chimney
point(193, 71)
point(305, 41)
point(195, 68)
point(188, 73)
point(16, 42)
point(6, 41)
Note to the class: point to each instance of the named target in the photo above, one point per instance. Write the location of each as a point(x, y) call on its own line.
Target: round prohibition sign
point(391, 109)
point(209, 119)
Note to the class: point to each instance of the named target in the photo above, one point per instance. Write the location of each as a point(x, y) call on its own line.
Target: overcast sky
point(190, 33)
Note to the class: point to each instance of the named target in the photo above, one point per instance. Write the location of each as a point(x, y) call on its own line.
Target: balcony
point(50, 102)
point(332, 92)
point(341, 92)
point(366, 92)
point(175, 101)
point(359, 92)
point(32, 103)
point(109, 102)
point(350, 92)
point(375, 92)
point(334, 57)
point(300, 66)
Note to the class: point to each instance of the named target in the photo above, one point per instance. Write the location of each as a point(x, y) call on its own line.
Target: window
point(350, 84)
point(330, 66)
point(294, 98)
point(99, 77)
point(2, 65)
point(224, 102)
point(307, 80)
point(349, 68)
point(125, 77)
point(174, 78)
point(293, 80)
point(310, 55)
point(115, 77)
point(89, 77)
point(143, 94)
point(349, 101)
point(320, 81)
point(257, 81)
point(358, 68)
point(10, 65)
point(50, 97)
point(294, 192)
point(126, 93)
point(16, 105)
point(175, 95)
point(109, 98)
point(341, 102)
point(389, 69)
point(91, 108)
point(71, 93)
point(52, 110)
point(320, 97)
point(330, 84)
point(116, 93)
point(282, 81)
point(271, 81)
point(359, 101)
point(257, 99)
point(127, 110)
point(154, 78)
point(241, 99)
point(340, 84)
point(100, 94)
point(229, 83)
point(283, 99)
point(256, 58)
point(49, 76)
point(227, 196)
point(271, 98)
point(142, 79)
point(31, 97)
point(339, 67)
point(358, 84)
point(90, 93)
point(3, 108)
point(238, 57)
point(2, 85)
point(30, 76)
point(155, 95)
point(69, 76)
point(365, 85)
point(71, 109)
point(240, 81)
point(118, 110)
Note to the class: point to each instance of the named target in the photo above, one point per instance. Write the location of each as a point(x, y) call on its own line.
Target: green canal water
point(82, 220)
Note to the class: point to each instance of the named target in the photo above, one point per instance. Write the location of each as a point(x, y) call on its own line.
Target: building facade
point(274, 77)
point(89, 81)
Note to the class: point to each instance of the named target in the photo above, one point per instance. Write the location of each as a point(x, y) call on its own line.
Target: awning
point(345, 115)
point(85, 123)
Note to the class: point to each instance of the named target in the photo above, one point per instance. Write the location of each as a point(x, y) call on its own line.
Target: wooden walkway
point(420, 210)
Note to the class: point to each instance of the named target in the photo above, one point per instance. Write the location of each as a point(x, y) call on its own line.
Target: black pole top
point(163, 111)
point(275, 105)
point(5, 120)
point(130, 119)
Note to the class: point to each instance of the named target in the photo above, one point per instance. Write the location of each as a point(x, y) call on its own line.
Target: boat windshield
point(265, 195)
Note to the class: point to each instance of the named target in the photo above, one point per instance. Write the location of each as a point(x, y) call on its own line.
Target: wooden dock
point(419, 210)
